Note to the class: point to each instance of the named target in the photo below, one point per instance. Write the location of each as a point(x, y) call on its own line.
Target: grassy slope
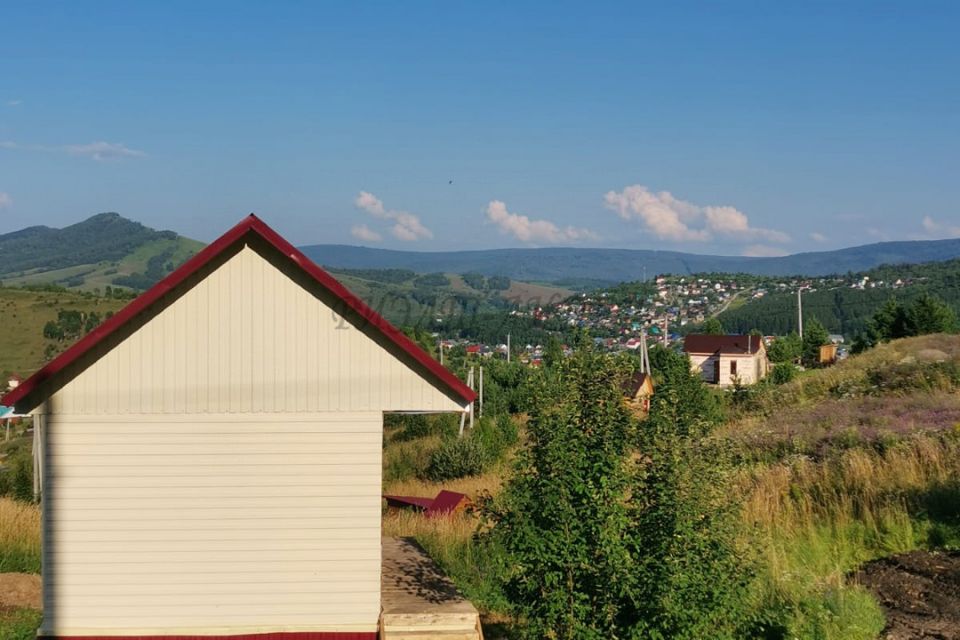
point(23, 315)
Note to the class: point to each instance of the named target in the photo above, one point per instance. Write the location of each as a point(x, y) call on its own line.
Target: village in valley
point(662, 311)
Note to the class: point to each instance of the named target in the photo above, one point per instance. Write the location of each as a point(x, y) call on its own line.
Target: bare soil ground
point(919, 592)
point(20, 590)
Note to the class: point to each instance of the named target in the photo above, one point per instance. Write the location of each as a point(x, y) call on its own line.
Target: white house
point(724, 360)
point(210, 456)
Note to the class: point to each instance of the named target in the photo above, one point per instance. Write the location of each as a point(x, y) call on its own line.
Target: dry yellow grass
point(19, 536)
point(855, 485)
point(471, 486)
point(457, 527)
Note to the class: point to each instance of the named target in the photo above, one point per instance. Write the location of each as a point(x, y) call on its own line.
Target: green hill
point(106, 249)
point(407, 298)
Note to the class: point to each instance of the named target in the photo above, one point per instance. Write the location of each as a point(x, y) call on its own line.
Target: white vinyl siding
point(193, 524)
point(248, 339)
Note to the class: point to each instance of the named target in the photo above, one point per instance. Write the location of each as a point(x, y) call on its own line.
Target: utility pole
point(644, 355)
point(481, 391)
point(800, 310)
point(470, 383)
point(508, 347)
point(440, 344)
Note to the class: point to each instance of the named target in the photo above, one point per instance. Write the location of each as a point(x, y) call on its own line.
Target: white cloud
point(406, 226)
point(936, 229)
point(877, 234)
point(371, 204)
point(523, 228)
point(13, 103)
point(667, 217)
point(95, 150)
point(5, 200)
point(816, 236)
point(365, 233)
point(103, 151)
point(763, 251)
point(671, 218)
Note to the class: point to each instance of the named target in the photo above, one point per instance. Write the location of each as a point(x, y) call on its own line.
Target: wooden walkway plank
point(419, 601)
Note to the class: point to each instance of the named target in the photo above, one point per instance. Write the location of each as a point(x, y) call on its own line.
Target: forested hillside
point(843, 309)
point(106, 249)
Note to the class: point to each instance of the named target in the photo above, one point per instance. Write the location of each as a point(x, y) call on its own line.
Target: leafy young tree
point(562, 519)
point(786, 348)
point(815, 335)
point(712, 326)
point(691, 578)
point(552, 352)
point(692, 402)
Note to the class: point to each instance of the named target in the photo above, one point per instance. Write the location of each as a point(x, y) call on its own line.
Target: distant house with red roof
point(725, 360)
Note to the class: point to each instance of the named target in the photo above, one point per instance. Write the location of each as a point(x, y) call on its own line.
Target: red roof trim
point(250, 224)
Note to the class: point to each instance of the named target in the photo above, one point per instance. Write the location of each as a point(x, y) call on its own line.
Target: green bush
point(413, 426)
point(457, 458)
point(496, 435)
point(16, 480)
point(783, 372)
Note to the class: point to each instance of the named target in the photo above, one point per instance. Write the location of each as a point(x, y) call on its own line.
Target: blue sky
point(734, 128)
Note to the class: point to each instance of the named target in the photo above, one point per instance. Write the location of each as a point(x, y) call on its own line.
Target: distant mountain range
point(571, 267)
point(110, 249)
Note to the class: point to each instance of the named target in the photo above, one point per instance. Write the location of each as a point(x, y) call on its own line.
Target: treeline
point(481, 282)
point(388, 276)
point(925, 315)
point(158, 266)
point(844, 310)
point(492, 328)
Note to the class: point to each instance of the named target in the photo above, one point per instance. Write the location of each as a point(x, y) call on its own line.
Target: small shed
point(637, 391)
point(210, 456)
point(828, 354)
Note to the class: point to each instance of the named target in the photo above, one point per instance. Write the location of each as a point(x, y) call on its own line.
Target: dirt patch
point(20, 590)
point(919, 592)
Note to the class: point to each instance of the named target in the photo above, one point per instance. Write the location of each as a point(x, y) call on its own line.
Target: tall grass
point(815, 522)
point(19, 537)
point(19, 624)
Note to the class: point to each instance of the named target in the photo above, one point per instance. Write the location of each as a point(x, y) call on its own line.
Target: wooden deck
point(418, 600)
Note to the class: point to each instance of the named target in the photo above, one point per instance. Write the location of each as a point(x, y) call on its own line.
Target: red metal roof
point(251, 225)
point(726, 345)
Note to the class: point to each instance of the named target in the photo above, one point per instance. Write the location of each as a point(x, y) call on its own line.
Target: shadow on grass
point(940, 505)
point(495, 628)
